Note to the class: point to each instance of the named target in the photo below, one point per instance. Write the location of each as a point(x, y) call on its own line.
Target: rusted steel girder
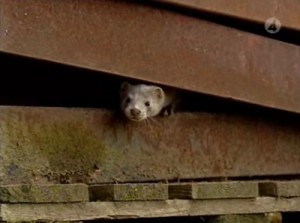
point(287, 11)
point(45, 145)
point(139, 41)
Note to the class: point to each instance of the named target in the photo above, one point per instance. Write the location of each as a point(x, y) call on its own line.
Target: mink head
point(139, 102)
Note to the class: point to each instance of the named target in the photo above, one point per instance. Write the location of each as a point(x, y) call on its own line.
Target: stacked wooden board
point(78, 202)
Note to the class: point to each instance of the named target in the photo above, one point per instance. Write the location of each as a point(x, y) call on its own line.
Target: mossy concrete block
point(129, 192)
point(44, 193)
point(95, 146)
point(213, 190)
point(280, 188)
point(247, 218)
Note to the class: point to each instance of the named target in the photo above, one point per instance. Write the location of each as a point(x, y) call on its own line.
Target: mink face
point(139, 102)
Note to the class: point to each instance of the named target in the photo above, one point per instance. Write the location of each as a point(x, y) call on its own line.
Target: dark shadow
point(157, 220)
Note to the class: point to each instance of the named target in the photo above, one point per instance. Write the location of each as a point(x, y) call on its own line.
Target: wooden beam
point(213, 190)
point(280, 188)
point(47, 193)
point(129, 192)
point(144, 209)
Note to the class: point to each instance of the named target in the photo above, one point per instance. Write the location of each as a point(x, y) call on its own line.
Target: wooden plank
point(30, 193)
point(144, 209)
point(213, 190)
point(129, 192)
point(280, 189)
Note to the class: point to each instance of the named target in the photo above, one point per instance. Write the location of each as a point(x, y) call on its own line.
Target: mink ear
point(124, 88)
point(159, 93)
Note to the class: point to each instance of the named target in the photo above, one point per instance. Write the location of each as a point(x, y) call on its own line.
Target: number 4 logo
point(272, 25)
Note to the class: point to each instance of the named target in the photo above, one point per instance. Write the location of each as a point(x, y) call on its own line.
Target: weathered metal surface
point(287, 11)
point(42, 145)
point(130, 39)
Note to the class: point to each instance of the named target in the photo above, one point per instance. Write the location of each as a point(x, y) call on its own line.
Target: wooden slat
point(280, 189)
point(144, 209)
point(129, 192)
point(214, 190)
point(44, 193)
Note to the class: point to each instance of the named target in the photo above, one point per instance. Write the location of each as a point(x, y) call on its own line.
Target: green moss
point(56, 147)
point(44, 193)
point(141, 192)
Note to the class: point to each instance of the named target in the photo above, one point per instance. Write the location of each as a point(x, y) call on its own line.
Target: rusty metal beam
point(138, 41)
point(287, 11)
point(46, 145)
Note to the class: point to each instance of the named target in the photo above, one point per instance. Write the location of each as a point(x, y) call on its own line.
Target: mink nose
point(135, 111)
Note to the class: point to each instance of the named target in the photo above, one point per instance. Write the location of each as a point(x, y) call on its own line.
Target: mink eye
point(147, 103)
point(127, 100)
